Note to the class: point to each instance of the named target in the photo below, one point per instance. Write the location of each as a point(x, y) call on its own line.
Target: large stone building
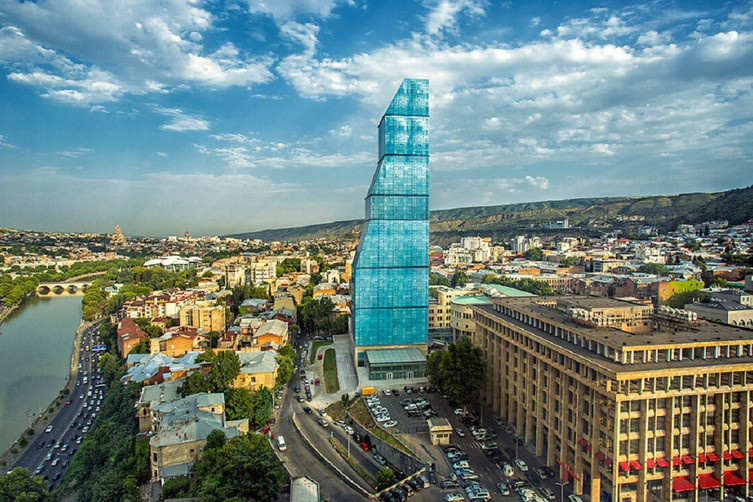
point(203, 316)
point(391, 266)
point(642, 404)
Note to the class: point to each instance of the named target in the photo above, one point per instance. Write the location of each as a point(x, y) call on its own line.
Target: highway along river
point(36, 345)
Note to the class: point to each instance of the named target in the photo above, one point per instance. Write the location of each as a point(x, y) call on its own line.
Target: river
point(36, 345)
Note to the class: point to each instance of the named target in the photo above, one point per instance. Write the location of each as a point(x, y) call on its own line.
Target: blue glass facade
point(391, 266)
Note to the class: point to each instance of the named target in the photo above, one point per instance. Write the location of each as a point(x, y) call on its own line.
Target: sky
point(228, 116)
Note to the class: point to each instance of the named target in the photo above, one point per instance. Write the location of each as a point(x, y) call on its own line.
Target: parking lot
point(485, 466)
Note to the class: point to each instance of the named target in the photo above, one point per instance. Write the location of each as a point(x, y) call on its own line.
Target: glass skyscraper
point(391, 265)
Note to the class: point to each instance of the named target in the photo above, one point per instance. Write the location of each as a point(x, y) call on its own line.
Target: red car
point(317, 382)
point(364, 446)
point(68, 402)
point(319, 355)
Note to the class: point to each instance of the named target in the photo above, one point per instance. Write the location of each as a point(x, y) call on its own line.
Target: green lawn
point(315, 347)
point(330, 371)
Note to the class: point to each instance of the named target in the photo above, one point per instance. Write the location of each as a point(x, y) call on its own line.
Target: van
point(281, 443)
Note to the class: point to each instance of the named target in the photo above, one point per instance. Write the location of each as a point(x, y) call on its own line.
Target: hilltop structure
point(391, 265)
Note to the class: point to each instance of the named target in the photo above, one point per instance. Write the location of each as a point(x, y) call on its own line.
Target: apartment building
point(203, 316)
point(640, 404)
point(439, 307)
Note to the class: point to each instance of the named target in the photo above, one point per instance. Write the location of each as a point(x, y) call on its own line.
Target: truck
point(367, 391)
point(281, 443)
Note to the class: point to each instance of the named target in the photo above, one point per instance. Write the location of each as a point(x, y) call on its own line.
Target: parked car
point(449, 484)
point(459, 432)
point(549, 494)
point(541, 473)
point(323, 422)
point(574, 498)
point(364, 446)
point(453, 497)
point(521, 465)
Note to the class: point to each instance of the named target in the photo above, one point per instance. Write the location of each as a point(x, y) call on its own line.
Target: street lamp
point(562, 490)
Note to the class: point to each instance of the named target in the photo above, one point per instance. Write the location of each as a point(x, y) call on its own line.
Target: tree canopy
point(20, 485)
point(534, 254)
point(240, 469)
point(457, 371)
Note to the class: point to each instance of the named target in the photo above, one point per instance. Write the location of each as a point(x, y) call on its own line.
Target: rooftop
point(471, 300)
point(394, 356)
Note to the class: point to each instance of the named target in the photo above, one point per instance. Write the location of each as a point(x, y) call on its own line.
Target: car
point(339, 423)
point(349, 430)
point(549, 472)
point(460, 464)
point(549, 494)
point(507, 470)
point(387, 392)
point(395, 392)
point(380, 459)
point(68, 402)
point(55, 462)
point(459, 432)
point(449, 484)
point(57, 445)
point(453, 497)
point(399, 494)
point(48, 429)
point(503, 489)
point(39, 470)
point(416, 484)
point(574, 498)
point(300, 398)
point(297, 389)
point(307, 409)
point(388, 497)
point(508, 430)
point(521, 465)
point(56, 476)
point(323, 422)
point(364, 446)
point(540, 473)
point(390, 423)
point(48, 456)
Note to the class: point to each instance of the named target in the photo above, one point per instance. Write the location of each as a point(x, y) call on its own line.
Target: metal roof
point(395, 356)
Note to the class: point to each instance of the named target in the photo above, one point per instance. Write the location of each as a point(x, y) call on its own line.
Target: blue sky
point(222, 117)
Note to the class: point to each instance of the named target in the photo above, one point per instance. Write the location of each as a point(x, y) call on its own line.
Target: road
point(68, 424)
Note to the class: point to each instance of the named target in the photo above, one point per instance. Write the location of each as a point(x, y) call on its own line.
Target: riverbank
point(17, 448)
point(6, 311)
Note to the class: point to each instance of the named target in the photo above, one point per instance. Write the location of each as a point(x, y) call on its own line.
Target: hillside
point(588, 216)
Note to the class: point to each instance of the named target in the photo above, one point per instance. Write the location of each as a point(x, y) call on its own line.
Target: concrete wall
point(403, 462)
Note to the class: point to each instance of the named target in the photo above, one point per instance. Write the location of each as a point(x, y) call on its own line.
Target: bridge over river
point(61, 288)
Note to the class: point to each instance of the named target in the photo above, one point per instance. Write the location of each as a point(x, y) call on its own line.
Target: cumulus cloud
point(443, 14)
point(303, 33)
point(136, 48)
point(284, 10)
point(179, 121)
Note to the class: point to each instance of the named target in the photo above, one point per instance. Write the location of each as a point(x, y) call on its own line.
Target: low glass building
point(391, 364)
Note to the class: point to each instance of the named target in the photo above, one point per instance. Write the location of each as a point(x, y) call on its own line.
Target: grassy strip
point(336, 411)
point(361, 414)
point(315, 347)
point(352, 462)
point(330, 371)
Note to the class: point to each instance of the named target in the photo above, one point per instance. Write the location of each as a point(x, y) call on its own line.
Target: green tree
point(459, 279)
point(458, 371)
point(110, 367)
point(194, 384)
point(438, 279)
point(176, 488)
point(262, 406)
point(215, 440)
point(239, 403)
point(20, 485)
point(288, 350)
point(285, 369)
point(226, 366)
point(653, 269)
point(534, 254)
point(244, 468)
point(385, 478)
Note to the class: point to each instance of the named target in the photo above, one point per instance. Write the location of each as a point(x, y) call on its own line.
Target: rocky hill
point(588, 216)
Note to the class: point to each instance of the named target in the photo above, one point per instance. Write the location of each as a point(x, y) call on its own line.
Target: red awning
point(727, 455)
point(624, 466)
point(662, 462)
point(682, 484)
point(636, 465)
point(676, 461)
point(702, 457)
point(687, 460)
point(737, 454)
point(713, 457)
point(600, 456)
point(582, 442)
point(708, 481)
point(650, 464)
point(750, 452)
point(732, 478)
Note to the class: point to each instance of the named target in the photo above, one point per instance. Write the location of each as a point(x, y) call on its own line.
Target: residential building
point(272, 332)
point(461, 315)
point(391, 266)
point(206, 317)
point(439, 307)
point(179, 341)
point(641, 404)
point(258, 369)
point(728, 312)
point(129, 335)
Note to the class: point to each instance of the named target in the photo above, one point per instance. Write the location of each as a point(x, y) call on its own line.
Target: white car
point(349, 429)
point(383, 418)
point(48, 429)
point(507, 470)
point(454, 497)
point(574, 498)
point(387, 392)
point(522, 465)
point(390, 423)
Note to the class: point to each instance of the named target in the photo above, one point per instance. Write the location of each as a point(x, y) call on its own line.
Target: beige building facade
point(640, 404)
